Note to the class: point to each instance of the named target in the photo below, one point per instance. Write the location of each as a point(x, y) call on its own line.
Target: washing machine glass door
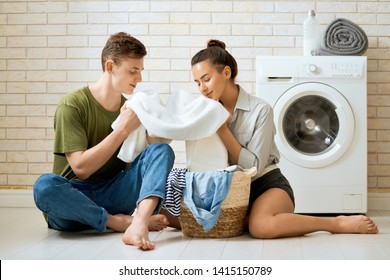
point(315, 125)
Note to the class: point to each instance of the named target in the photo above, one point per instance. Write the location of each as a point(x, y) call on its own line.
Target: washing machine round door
point(315, 125)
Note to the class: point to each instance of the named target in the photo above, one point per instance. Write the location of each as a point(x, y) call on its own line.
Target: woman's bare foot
point(120, 222)
point(356, 224)
point(137, 234)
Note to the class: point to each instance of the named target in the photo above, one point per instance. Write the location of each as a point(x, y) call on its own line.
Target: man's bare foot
point(120, 222)
point(158, 222)
point(137, 234)
point(356, 224)
point(172, 221)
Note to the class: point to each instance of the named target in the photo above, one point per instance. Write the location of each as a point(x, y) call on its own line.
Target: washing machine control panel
point(346, 69)
point(334, 69)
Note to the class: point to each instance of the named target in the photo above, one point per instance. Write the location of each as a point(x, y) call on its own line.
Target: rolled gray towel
point(343, 37)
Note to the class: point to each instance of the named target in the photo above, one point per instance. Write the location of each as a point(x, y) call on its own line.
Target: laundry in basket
point(232, 214)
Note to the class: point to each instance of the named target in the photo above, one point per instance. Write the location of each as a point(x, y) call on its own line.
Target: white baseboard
point(378, 201)
point(16, 198)
point(24, 198)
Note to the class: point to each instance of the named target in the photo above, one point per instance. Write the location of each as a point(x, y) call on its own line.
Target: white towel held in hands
point(185, 116)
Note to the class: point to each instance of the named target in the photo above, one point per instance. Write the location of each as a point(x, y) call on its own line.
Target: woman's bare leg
point(272, 217)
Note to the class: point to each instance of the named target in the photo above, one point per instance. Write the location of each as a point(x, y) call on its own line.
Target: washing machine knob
point(312, 68)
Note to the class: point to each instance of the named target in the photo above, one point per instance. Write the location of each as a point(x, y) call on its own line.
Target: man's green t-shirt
point(80, 123)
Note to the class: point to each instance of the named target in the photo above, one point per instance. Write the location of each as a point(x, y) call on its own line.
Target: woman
point(248, 135)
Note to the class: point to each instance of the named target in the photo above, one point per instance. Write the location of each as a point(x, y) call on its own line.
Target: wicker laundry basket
point(232, 217)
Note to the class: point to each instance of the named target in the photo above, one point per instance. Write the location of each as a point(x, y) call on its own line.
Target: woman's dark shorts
point(272, 179)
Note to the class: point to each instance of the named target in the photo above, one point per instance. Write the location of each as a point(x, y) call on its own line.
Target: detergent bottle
point(311, 30)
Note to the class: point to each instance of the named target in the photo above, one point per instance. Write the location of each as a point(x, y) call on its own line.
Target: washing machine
point(320, 114)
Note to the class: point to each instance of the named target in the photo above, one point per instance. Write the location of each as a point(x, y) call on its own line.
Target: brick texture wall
point(48, 48)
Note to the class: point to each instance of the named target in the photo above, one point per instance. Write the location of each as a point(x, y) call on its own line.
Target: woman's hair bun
point(216, 43)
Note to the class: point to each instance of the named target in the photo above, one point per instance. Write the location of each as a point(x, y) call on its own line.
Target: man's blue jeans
point(75, 205)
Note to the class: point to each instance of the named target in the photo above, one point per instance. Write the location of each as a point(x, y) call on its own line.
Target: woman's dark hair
point(122, 45)
point(218, 56)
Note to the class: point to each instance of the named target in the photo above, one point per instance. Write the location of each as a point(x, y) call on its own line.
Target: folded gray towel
point(343, 37)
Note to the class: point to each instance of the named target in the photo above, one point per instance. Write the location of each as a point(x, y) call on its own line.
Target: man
point(90, 187)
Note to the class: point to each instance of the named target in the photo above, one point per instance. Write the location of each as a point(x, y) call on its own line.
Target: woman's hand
point(223, 128)
point(230, 142)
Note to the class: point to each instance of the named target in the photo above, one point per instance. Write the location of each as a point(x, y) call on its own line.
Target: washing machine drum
point(311, 124)
point(315, 125)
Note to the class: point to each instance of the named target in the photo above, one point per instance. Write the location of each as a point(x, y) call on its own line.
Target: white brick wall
point(48, 48)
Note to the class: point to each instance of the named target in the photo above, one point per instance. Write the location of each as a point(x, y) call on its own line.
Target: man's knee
point(162, 149)
point(43, 186)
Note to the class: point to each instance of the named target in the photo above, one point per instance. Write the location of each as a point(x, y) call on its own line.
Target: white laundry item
point(206, 154)
point(133, 145)
point(185, 116)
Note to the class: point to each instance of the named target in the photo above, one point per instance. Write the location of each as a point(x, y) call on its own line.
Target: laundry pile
point(202, 192)
point(194, 119)
point(343, 37)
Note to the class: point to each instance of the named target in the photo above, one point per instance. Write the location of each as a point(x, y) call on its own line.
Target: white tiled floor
point(25, 236)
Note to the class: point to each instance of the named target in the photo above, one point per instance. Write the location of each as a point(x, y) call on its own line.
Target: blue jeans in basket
point(204, 194)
